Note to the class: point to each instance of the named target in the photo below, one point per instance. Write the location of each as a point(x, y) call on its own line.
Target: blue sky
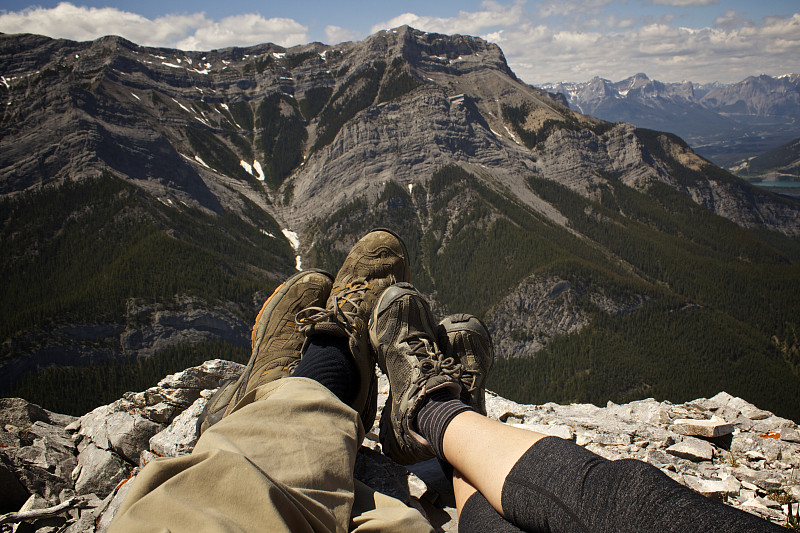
point(543, 40)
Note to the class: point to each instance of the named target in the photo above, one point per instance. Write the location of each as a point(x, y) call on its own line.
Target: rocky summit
point(723, 447)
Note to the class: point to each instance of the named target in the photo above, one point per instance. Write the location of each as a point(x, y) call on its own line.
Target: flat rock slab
point(702, 428)
point(790, 435)
point(716, 488)
point(692, 449)
point(552, 430)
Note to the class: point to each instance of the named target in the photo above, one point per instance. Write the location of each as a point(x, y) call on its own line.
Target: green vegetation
point(260, 64)
point(357, 93)
point(397, 81)
point(77, 390)
point(283, 137)
point(745, 288)
point(243, 144)
point(242, 113)
point(720, 309)
point(217, 154)
point(76, 253)
point(295, 60)
point(314, 100)
point(782, 156)
point(660, 351)
point(496, 242)
point(674, 243)
point(518, 115)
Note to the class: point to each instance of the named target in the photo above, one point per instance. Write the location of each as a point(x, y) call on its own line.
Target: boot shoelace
point(352, 294)
point(470, 379)
point(432, 362)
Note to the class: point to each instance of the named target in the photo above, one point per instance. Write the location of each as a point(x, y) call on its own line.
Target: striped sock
point(439, 409)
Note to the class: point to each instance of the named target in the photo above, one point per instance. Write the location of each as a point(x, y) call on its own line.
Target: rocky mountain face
point(726, 123)
point(722, 447)
point(757, 95)
point(153, 198)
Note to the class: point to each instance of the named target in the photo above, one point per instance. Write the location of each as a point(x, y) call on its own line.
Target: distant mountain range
point(150, 199)
point(726, 123)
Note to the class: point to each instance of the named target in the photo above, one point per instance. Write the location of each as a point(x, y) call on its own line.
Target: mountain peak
point(438, 51)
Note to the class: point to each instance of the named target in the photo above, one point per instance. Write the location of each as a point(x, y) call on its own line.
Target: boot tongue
point(327, 328)
point(443, 383)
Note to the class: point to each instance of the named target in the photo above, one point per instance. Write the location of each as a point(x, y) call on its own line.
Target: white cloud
point(337, 34)
point(245, 30)
point(625, 23)
point(553, 8)
point(685, 3)
point(541, 53)
point(493, 15)
point(189, 31)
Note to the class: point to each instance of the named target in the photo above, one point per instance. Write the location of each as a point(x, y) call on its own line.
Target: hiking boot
point(465, 338)
point(276, 343)
point(376, 261)
point(403, 333)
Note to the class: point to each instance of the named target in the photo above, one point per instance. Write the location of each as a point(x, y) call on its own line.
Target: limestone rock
point(129, 433)
point(111, 505)
point(119, 427)
point(754, 413)
point(161, 412)
point(692, 449)
point(553, 430)
point(702, 428)
point(541, 307)
point(37, 455)
point(715, 488)
point(20, 413)
point(380, 473)
point(180, 437)
point(100, 471)
point(12, 492)
point(755, 455)
point(790, 435)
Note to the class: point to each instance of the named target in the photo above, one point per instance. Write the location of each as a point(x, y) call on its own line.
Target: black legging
point(559, 486)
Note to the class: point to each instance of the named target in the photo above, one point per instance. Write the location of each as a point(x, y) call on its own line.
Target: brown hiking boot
point(276, 342)
point(466, 339)
point(402, 332)
point(375, 262)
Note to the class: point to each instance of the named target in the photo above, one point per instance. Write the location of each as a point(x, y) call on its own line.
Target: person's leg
point(280, 454)
point(275, 342)
point(485, 451)
point(282, 462)
point(537, 483)
point(475, 513)
point(550, 484)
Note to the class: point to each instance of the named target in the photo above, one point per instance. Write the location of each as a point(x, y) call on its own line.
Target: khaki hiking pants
point(282, 461)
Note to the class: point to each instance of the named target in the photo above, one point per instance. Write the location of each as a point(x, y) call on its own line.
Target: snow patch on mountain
point(259, 170)
point(294, 240)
